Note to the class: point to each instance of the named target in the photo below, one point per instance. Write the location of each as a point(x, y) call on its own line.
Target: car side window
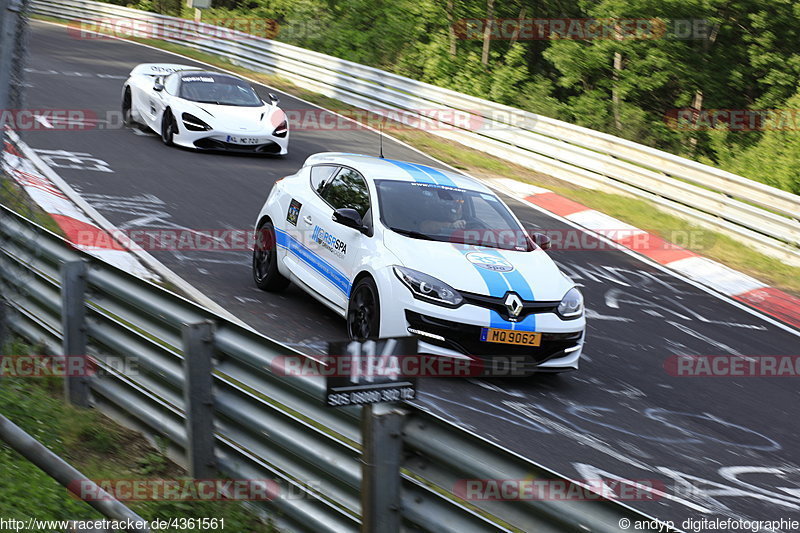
point(348, 189)
point(321, 176)
point(171, 84)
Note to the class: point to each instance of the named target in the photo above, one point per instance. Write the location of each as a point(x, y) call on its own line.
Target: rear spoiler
point(159, 69)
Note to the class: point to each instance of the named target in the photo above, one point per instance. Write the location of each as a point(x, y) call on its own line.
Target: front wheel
point(364, 312)
point(168, 128)
point(265, 261)
point(127, 105)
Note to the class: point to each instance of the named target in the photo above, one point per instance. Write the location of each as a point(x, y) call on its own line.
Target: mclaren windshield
point(209, 88)
point(449, 214)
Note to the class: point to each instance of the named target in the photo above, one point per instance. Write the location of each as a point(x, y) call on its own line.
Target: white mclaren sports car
point(403, 249)
point(194, 108)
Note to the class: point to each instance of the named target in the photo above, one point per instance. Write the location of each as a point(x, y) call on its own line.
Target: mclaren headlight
point(192, 123)
point(428, 288)
point(571, 305)
point(282, 129)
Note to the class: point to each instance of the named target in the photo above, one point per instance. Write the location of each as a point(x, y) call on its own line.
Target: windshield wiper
point(414, 234)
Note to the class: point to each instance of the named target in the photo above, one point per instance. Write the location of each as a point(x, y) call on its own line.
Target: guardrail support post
point(382, 447)
point(198, 397)
point(9, 21)
point(73, 325)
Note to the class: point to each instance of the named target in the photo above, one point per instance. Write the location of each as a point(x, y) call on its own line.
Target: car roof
point(376, 168)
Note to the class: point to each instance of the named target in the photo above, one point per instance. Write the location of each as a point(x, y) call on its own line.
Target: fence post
point(198, 396)
point(382, 447)
point(73, 325)
point(9, 19)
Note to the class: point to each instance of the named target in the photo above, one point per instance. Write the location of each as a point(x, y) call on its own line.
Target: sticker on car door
point(294, 212)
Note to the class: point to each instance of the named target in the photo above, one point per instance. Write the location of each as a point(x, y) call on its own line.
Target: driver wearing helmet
point(447, 214)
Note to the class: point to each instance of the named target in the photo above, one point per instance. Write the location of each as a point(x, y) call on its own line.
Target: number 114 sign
point(368, 372)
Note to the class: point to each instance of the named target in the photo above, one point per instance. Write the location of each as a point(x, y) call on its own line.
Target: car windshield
point(218, 89)
point(450, 214)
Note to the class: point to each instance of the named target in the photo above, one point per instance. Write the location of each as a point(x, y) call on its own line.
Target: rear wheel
point(168, 128)
point(265, 260)
point(364, 312)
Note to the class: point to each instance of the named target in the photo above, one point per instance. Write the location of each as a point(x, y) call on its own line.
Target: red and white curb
point(72, 220)
point(702, 270)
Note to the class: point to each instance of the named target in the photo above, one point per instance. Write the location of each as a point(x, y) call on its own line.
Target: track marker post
point(73, 325)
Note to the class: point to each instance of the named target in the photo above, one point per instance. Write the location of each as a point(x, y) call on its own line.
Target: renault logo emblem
point(513, 304)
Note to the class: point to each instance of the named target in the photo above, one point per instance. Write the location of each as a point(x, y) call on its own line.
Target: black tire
point(364, 311)
point(168, 128)
point(265, 261)
point(127, 103)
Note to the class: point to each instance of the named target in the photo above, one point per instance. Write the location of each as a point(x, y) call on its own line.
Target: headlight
point(282, 129)
point(428, 288)
point(193, 123)
point(571, 305)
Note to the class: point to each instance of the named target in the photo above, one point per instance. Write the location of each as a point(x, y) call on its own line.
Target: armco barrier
point(761, 216)
point(204, 385)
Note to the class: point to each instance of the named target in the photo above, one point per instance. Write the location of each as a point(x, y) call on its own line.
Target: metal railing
point(762, 216)
point(205, 387)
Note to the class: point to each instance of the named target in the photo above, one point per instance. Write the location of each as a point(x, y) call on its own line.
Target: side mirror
point(542, 241)
point(274, 99)
point(349, 217)
point(158, 87)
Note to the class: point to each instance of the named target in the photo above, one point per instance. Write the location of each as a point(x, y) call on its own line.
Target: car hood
point(481, 270)
point(235, 119)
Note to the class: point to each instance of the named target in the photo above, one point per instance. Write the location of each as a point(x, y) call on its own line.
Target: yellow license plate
point(511, 336)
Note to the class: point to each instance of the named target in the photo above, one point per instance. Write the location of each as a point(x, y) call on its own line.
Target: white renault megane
point(404, 249)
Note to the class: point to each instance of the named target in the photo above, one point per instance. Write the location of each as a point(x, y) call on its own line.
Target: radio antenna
point(380, 132)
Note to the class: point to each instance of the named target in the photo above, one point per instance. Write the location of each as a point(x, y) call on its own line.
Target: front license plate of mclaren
point(243, 140)
point(511, 336)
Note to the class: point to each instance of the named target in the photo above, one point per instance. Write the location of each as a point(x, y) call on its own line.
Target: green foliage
point(775, 159)
point(745, 54)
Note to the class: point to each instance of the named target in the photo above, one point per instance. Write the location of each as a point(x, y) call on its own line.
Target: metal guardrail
point(764, 217)
point(204, 385)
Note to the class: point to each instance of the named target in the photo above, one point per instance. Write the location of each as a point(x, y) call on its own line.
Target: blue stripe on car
point(312, 259)
point(440, 177)
point(495, 284)
point(515, 279)
point(498, 283)
point(418, 175)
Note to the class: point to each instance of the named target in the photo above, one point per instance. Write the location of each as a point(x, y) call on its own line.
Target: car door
point(309, 260)
point(336, 246)
point(156, 101)
point(347, 189)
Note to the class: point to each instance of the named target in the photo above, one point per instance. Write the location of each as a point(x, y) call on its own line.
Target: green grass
point(639, 213)
point(98, 448)
point(16, 199)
